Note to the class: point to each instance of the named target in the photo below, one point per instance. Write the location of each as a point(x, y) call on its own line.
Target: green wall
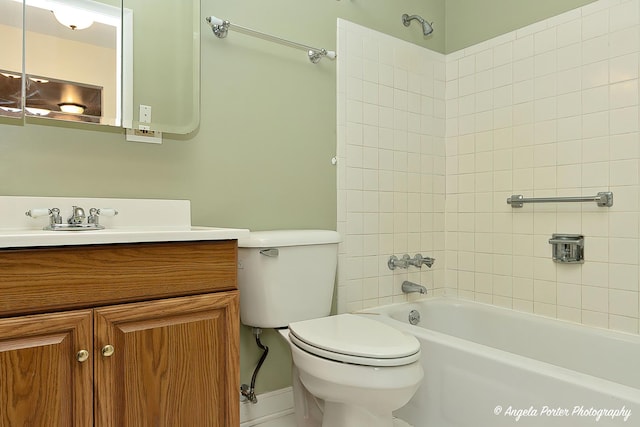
point(471, 21)
point(260, 158)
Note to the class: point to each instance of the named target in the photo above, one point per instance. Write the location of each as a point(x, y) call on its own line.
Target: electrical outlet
point(140, 135)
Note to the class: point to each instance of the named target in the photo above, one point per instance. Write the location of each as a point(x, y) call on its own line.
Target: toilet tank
point(286, 275)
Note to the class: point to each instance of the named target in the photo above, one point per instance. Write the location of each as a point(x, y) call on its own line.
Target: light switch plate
point(145, 113)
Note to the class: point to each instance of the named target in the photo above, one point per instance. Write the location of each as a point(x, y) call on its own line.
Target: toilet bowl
point(348, 370)
point(355, 370)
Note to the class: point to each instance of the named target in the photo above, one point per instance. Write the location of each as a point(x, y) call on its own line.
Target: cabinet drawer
point(37, 280)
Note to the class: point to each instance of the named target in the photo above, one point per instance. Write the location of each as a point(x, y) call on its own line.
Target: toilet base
point(397, 422)
point(311, 411)
point(308, 409)
point(341, 415)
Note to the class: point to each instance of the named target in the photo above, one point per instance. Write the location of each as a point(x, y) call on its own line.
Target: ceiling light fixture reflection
point(38, 111)
point(73, 18)
point(11, 75)
point(72, 107)
point(11, 109)
point(38, 80)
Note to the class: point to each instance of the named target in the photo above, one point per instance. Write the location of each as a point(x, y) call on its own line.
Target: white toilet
point(348, 370)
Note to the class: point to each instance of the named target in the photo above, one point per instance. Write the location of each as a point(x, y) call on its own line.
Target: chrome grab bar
point(604, 198)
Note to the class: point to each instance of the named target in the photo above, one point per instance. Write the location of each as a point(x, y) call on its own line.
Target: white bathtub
point(487, 366)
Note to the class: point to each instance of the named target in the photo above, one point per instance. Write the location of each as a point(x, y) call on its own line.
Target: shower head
point(426, 26)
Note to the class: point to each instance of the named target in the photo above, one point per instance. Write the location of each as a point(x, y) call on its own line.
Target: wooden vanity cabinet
point(129, 359)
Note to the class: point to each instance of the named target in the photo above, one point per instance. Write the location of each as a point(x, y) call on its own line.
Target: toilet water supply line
point(246, 391)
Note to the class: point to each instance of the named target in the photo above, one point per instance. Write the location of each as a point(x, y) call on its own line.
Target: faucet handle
point(104, 211)
point(94, 214)
point(36, 212)
point(418, 260)
point(53, 214)
point(395, 262)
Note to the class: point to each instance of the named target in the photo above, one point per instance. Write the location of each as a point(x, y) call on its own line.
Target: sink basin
point(139, 220)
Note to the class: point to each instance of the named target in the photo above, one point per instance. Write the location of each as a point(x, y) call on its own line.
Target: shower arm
point(406, 19)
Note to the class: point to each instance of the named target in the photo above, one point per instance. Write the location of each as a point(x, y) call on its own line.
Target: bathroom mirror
point(166, 77)
point(99, 61)
point(11, 59)
point(72, 56)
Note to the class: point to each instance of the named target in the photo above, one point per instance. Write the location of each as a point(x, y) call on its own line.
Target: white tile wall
point(548, 110)
point(555, 113)
point(391, 168)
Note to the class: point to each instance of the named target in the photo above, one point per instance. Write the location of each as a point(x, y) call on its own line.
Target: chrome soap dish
point(567, 248)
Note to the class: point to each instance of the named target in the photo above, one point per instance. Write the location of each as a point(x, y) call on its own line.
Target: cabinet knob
point(82, 356)
point(108, 350)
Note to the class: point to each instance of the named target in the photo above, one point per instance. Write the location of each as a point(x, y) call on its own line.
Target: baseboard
point(271, 405)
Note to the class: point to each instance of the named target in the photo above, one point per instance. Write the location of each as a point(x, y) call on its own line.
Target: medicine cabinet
point(100, 61)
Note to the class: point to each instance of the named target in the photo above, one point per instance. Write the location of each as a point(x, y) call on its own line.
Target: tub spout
point(410, 287)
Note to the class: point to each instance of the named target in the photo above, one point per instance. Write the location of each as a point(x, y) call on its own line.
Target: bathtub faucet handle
point(395, 262)
point(418, 260)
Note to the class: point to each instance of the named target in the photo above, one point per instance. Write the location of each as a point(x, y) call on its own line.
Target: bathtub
point(487, 366)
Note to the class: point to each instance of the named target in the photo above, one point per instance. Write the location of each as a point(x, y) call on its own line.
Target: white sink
point(138, 220)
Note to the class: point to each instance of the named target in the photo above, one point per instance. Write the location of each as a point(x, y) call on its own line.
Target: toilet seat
point(355, 339)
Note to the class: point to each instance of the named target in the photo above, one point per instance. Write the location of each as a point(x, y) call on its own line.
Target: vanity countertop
point(138, 221)
point(37, 238)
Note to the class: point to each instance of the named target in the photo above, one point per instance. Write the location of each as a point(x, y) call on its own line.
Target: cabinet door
point(172, 362)
point(42, 384)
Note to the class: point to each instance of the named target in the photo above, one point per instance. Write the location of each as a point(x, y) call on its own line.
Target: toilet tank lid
point(279, 238)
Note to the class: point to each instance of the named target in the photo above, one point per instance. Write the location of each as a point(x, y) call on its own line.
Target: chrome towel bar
point(604, 198)
point(221, 27)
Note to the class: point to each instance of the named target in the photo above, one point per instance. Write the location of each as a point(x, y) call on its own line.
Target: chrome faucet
point(76, 221)
point(417, 261)
point(77, 216)
point(410, 287)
